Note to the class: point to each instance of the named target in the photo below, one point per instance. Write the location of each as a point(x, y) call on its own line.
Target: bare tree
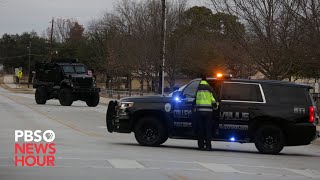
point(130, 37)
point(306, 13)
point(271, 33)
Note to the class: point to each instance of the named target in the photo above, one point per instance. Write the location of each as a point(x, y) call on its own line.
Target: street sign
point(20, 73)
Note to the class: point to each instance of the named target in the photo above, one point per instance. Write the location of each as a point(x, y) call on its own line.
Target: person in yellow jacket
point(205, 106)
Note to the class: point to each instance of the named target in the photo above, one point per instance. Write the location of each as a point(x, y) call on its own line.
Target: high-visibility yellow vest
point(204, 97)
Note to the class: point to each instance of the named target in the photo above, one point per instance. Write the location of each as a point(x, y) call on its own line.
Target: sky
point(18, 16)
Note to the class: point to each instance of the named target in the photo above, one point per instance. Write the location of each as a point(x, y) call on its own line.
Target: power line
point(11, 57)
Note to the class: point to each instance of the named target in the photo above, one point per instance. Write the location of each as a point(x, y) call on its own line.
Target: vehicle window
point(68, 69)
point(241, 92)
point(286, 95)
point(191, 89)
point(80, 69)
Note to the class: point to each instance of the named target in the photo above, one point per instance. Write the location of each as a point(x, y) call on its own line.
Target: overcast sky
point(17, 16)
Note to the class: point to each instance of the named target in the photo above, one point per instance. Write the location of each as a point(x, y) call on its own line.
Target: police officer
point(204, 107)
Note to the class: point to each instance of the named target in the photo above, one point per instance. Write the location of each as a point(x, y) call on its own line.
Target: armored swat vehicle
point(66, 80)
point(271, 114)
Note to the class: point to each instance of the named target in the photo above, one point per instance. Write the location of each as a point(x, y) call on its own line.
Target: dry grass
point(23, 89)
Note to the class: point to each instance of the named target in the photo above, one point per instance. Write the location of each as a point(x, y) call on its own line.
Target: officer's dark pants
point(204, 129)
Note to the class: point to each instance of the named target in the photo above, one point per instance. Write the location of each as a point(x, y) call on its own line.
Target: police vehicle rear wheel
point(269, 139)
point(66, 97)
point(41, 95)
point(149, 131)
point(93, 100)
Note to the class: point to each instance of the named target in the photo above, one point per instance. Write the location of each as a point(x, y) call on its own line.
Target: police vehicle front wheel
point(66, 97)
point(41, 95)
point(93, 100)
point(149, 131)
point(269, 139)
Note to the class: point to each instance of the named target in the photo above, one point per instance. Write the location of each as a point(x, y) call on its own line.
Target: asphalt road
point(86, 151)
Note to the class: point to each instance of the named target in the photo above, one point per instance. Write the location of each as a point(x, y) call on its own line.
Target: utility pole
point(51, 40)
point(29, 66)
point(163, 48)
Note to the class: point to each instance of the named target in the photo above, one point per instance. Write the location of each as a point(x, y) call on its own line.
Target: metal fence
point(120, 94)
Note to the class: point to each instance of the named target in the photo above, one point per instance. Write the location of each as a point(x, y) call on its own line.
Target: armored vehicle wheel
point(149, 131)
point(66, 97)
point(93, 100)
point(269, 139)
point(41, 95)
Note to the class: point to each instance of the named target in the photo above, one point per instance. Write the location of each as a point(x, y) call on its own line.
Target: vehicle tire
point(41, 95)
point(149, 131)
point(165, 138)
point(110, 116)
point(269, 139)
point(93, 100)
point(66, 97)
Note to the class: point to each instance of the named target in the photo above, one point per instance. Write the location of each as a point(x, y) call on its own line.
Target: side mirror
point(90, 73)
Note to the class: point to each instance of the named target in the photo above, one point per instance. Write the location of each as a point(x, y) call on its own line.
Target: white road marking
point(306, 172)
point(219, 167)
point(125, 164)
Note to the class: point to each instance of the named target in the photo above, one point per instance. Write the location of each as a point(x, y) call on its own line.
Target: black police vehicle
point(66, 80)
point(271, 114)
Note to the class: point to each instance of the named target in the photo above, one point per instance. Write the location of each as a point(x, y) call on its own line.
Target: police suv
point(271, 114)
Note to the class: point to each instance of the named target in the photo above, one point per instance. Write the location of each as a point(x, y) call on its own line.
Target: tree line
point(279, 38)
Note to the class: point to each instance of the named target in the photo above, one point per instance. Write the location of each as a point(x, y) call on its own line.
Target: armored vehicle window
point(191, 89)
point(241, 92)
point(68, 69)
point(286, 95)
point(80, 69)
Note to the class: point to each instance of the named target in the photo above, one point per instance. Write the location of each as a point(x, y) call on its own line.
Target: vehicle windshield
point(68, 69)
point(79, 69)
point(180, 89)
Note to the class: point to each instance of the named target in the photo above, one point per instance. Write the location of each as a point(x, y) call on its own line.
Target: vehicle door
point(240, 101)
point(183, 111)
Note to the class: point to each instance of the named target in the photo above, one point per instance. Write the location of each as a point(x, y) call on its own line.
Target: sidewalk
point(317, 141)
point(104, 100)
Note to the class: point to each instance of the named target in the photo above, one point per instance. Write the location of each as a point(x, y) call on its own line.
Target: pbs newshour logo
point(34, 148)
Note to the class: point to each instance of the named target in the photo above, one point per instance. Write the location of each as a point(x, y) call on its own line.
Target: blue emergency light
point(177, 99)
point(232, 139)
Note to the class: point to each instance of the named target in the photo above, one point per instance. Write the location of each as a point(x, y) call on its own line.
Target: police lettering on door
point(182, 113)
point(234, 116)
